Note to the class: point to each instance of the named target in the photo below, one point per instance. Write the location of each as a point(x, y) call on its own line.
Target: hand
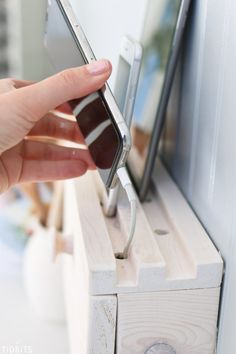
point(25, 112)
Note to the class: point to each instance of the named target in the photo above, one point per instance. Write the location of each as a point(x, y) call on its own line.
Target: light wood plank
point(168, 262)
point(91, 320)
point(187, 228)
point(186, 320)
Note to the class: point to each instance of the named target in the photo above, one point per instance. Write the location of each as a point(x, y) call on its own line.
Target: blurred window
point(3, 40)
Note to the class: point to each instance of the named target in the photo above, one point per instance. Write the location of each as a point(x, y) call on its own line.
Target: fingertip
point(99, 67)
point(82, 167)
point(92, 167)
point(75, 169)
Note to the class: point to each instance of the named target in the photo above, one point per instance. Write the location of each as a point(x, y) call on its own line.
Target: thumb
point(36, 100)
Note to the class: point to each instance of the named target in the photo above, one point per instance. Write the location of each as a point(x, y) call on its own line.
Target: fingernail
point(98, 67)
point(76, 154)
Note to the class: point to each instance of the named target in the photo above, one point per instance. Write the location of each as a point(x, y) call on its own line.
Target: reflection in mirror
point(159, 28)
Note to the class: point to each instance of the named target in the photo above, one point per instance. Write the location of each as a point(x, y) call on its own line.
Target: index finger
point(36, 101)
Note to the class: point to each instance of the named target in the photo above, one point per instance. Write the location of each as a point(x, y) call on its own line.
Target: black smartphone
point(101, 123)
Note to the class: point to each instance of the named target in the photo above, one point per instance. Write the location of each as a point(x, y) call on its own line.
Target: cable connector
point(128, 187)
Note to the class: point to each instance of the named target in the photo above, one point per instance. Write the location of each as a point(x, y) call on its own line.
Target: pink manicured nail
point(98, 67)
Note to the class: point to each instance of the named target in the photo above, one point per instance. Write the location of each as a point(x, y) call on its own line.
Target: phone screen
point(122, 82)
point(158, 33)
point(91, 112)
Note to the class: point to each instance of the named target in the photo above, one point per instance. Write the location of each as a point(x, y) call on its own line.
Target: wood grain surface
point(186, 320)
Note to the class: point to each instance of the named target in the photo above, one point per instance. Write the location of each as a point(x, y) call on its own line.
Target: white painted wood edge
point(185, 223)
point(175, 262)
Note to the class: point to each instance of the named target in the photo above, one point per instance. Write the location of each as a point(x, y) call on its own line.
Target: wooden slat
point(91, 320)
point(184, 258)
point(185, 320)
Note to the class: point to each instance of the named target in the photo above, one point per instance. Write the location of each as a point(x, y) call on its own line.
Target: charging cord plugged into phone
point(109, 141)
point(125, 92)
point(129, 189)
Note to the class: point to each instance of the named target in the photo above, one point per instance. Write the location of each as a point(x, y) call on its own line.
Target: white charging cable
point(128, 187)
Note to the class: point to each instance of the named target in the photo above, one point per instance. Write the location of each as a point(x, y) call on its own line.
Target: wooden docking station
point(163, 299)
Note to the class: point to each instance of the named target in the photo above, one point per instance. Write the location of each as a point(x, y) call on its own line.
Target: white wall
point(201, 141)
point(14, 38)
point(35, 63)
point(105, 22)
